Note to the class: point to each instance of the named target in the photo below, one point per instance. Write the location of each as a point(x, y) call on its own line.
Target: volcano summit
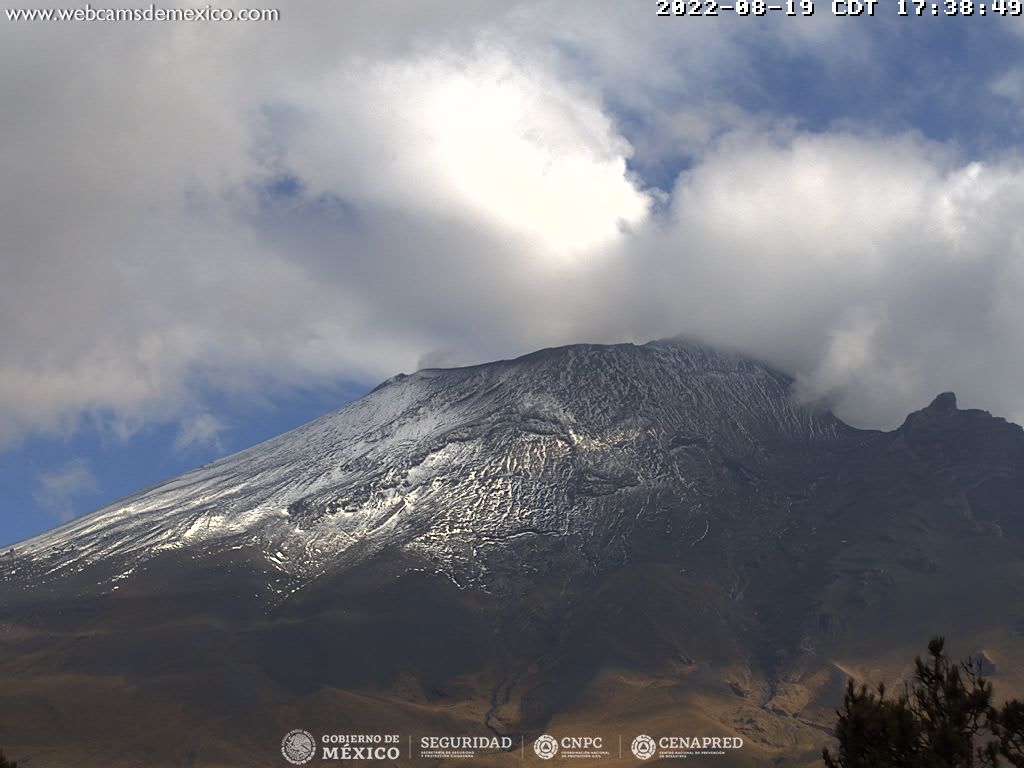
point(623, 540)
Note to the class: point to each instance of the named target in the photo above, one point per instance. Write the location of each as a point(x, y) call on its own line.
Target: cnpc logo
point(547, 746)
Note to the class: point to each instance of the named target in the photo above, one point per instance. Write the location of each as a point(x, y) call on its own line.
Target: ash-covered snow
point(456, 464)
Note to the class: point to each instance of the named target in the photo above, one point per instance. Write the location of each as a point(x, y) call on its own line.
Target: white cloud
point(463, 184)
point(57, 490)
point(199, 430)
point(879, 269)
point(473, 136)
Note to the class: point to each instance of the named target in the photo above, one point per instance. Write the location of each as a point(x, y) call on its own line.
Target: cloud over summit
point(235, 209)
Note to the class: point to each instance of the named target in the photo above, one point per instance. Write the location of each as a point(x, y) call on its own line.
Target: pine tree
point(874, 731)
point(1009, 728)
point(954, 713)
point(944, 718)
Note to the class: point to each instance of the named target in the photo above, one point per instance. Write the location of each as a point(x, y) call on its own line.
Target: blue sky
point(49, 480)
point(214, 232)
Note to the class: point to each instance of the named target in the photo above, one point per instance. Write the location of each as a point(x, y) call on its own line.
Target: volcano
point(588, 542)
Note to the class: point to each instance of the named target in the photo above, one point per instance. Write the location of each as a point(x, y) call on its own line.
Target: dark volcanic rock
point(613, 538)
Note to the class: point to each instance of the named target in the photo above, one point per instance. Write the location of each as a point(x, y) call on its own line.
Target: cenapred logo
point(643, 747)
point(298, 747)
point(546, 747)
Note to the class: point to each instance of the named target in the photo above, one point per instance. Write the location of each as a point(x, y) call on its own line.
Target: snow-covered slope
point(658, 532)
point(452, 465)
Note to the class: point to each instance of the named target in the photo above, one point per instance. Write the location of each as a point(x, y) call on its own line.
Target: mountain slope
point(618, 540)
point(449, 463)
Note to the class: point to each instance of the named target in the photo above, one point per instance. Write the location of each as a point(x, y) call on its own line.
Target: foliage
point(944, 718)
